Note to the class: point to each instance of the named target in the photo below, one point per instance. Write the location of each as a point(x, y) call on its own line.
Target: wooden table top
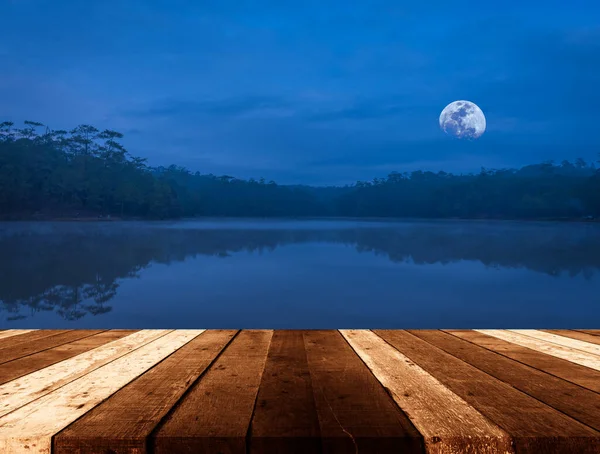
point(287, 391)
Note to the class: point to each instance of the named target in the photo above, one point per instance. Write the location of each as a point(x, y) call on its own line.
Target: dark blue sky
point(310, 91)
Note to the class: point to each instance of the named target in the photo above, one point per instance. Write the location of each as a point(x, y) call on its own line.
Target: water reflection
point(74, 269)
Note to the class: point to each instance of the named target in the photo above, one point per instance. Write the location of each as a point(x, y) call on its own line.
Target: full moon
point(462, 119)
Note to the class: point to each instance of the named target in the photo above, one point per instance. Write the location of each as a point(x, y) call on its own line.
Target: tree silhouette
point(37, 275)
point(89, 173)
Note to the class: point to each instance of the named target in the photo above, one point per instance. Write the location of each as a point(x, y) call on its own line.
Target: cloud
point(309, 108)
point(365, 109)
point(551, 73)
point(292, 91)
point(229, 107)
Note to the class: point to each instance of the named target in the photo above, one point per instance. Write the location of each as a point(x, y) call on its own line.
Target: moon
point(463, 119)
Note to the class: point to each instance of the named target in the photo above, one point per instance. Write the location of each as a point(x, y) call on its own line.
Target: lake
point(299, 274)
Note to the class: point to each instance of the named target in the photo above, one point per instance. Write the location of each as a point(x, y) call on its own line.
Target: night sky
point(317, 92)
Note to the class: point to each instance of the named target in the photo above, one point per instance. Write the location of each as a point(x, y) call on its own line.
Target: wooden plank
point(31, 336)
point(124, 422)
point(560, 351)
point(447, 423)
point(214, 416)
point(13, 332)
point(575, 335)
point(593, 332)
point(573, 400)
point(560, 340)
point(355, 412)
point(285, 418)
point(528, 421)
point(28, 364)
point(20, 392)
point(561, 368)
point(29, 348)
point(33, 425)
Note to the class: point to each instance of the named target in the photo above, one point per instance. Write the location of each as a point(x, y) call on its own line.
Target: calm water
point(305, 274)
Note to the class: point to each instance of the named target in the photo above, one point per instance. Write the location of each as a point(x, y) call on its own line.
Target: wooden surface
point(447, 422)
point(34, 424)
point(263, 391)
point(523, 416)
point(215, 415)
point(355, 412)
point(535, 341)
point(575, 335)
point(127, 419)
point(13, 332)
point(285, 416)
point(580, 375)
point(31, 363)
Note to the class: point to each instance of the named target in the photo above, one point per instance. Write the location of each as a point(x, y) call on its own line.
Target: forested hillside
point(87, 172)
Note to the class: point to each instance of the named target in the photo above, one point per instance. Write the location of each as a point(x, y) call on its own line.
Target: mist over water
point(299, 274)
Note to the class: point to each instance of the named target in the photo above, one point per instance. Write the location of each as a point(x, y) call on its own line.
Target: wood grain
point(13, 332)
point(285, 418)
point(593, 332)
point(258, 391)
point(524, 418)
point(30, 428)
point(29, 364)
point(575, 335)
point(29, 348)
point(573, 400)
point(355, 412)
point(214, 416)
point(560, 340)
point(124, 422)
point(575, 356)
point(13, 341)
point(23, 390)
point(580, 375)
point(448, 423)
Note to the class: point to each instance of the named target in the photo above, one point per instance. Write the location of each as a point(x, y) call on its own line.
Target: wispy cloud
point(308, 90)
point(310, 108)
point(228, 107)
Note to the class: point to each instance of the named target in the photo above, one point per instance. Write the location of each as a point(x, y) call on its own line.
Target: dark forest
point(87, 173)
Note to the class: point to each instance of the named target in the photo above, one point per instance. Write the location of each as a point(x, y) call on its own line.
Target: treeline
point(541, 191)
point(88, 172)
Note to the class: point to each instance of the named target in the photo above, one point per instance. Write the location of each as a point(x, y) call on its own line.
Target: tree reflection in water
point(75, 269)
